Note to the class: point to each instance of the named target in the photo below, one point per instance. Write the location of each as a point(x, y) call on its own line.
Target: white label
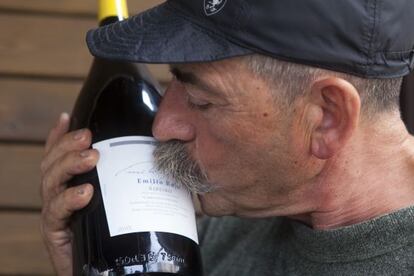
point(136, 198)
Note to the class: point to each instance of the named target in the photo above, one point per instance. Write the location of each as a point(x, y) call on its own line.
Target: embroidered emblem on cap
point(213, 6)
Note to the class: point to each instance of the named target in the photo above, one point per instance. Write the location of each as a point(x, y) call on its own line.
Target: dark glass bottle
point(120, 100)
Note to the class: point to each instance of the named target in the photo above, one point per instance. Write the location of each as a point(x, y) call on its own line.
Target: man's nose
point(172, 121)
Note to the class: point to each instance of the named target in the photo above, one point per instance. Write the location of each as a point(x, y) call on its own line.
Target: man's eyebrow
point(193, 79)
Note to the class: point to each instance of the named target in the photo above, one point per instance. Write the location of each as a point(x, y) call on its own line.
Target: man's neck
point(372, 177)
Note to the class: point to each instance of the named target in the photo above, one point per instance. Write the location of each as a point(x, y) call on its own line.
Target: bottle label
point(137, 198)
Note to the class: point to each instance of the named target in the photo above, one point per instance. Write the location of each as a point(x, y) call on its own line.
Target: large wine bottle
point(137, 223)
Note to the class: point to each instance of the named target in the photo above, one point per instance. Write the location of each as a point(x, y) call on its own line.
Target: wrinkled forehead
point(230, 78)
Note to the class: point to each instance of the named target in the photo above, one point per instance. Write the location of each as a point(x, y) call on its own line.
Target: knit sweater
point(280, 246)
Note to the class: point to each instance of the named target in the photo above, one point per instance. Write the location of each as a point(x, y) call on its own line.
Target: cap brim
point(160, 35)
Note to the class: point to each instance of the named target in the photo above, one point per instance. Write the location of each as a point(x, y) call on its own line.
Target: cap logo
point(213, 6)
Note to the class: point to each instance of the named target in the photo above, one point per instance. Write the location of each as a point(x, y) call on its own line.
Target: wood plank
point(21, 248)
point(71, 6)
point(29, 108)
point(50, 46)
point(44, 45)
point(20, 176)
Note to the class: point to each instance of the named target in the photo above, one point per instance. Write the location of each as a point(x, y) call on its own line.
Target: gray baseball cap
point(368, 38)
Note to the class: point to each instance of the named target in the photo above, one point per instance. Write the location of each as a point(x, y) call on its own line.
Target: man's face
point(232, 127)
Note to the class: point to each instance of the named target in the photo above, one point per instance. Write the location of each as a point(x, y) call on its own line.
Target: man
point(288, 113)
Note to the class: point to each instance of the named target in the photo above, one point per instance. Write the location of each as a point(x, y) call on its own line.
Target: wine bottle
point(138, 222)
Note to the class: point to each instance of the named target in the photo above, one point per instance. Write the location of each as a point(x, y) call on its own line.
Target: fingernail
point(79, 134)
point(81, 191)
point(84, 190)
point(85, 154)
point(64, 116)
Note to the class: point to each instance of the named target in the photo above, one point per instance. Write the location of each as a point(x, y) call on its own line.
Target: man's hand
point(66, 155)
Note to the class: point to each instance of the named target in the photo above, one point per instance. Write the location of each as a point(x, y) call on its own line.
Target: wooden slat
point(71, 6)
point(40, 45)
point(29, 108)
point(20, 176)
point(50, 46)
point(21, 249)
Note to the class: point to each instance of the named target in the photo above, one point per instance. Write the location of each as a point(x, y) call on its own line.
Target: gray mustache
point(173, 161)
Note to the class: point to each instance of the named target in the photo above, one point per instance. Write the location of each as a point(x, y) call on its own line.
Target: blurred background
point(43, 62)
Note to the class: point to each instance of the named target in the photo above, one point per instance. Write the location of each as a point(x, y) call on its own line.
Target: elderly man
point(288, 111)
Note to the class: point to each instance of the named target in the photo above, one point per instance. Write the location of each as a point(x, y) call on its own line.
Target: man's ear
point(337, 106)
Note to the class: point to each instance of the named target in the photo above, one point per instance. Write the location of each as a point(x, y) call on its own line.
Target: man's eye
point(197, 104)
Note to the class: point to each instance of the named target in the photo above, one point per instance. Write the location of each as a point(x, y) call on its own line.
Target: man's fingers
point(57, 213)
point(74, 141)
point(58, 131)
point(62, 170)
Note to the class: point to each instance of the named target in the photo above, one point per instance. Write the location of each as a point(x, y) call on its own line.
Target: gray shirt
point(279, 246)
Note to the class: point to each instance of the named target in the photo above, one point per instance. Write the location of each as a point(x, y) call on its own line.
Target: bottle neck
point(111, 11)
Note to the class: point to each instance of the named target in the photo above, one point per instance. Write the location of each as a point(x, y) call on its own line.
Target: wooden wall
point(43, 61)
